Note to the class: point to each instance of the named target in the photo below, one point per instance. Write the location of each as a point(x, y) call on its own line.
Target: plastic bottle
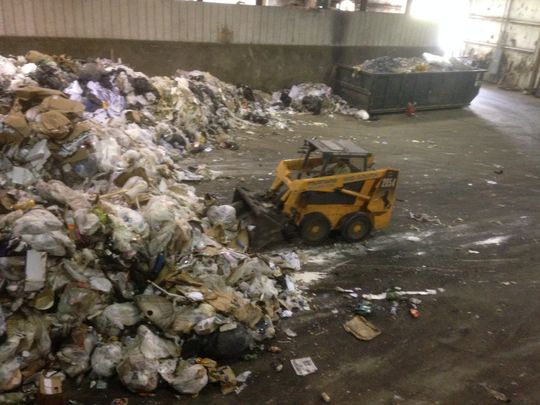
point(24, 205)
point(86, 167)
point(71, 226)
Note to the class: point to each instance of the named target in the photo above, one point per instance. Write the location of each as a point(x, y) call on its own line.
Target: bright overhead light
point(346, 5)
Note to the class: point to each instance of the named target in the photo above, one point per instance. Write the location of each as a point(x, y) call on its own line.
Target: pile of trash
point(110, 264)
point(186, 112)
point(427, 63)
point(315, 98)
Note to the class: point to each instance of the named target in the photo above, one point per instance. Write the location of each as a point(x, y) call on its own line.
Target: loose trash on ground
point(290, 333)
point(499, 396)
point(361, 328)
point(303, 366)
point(395, 293)
point(364, 308)
point(325, 397)
point(424, 218)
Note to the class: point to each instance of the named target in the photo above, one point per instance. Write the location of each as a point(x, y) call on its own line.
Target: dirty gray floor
point(479, 332)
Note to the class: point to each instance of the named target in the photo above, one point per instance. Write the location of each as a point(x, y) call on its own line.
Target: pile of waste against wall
point(110, 264)
point(316, 98)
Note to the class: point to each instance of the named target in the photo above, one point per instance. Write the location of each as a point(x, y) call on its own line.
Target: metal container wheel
point(315, 228)
point(355, 227)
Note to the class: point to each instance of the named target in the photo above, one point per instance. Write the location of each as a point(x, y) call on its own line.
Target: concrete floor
point(480, 331)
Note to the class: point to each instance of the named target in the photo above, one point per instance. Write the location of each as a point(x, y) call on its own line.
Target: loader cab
point(326, 158)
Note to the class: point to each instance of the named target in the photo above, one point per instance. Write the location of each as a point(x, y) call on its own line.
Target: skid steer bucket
point(265, 223)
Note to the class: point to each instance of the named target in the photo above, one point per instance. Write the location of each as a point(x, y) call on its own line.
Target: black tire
point(314, 228)
point(355, 227)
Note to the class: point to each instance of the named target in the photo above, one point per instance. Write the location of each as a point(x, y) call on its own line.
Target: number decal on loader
point(388, 183)
point(390, 180)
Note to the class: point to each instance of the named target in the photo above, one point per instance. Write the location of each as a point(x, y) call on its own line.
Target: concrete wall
point(507, 32)
point(265, 47)
point(266, 67)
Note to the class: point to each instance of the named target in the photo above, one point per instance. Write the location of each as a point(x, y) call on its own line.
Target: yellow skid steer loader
point(332, 187)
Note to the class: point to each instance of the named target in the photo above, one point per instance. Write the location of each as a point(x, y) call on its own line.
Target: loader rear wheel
point(355, 227)
point(314, 228)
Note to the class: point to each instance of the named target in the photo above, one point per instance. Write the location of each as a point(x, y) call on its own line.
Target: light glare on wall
point(451, 18)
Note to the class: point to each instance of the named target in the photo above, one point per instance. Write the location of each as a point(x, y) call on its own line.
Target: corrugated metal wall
point(509, 30)
point(185, 21)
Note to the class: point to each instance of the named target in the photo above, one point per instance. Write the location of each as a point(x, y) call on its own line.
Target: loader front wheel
point(314, 228)
point(355, 227)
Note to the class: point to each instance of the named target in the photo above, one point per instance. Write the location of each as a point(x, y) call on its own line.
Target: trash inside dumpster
point(389, 84)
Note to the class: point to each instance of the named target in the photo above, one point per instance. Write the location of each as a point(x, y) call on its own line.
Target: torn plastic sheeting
point(262, 288)
point(39, 151)
point(120, 315)
point(108, 154)
point(77, 303)
point(185, 378)
point(138, 373)
point(88, 223)
point(129, 228)
point(114, 103)
point(299, 91)
point(7, 67)
point(43, 232)
point(167, 225)
point(287, 260)
point(9, 219)
point(55, 243)
point(105, 358)
point(248, 270)
point(185, 318)
point(154, 347)
point(208, 325)
point(74, 358)
point(159, 310)
point(75, 91)
point(101, 284)
point(248, 313)
point(135, 186)
point(21, 175)
point(61, 193)
point(36, 269)
point(10, 375)
point(223, 215)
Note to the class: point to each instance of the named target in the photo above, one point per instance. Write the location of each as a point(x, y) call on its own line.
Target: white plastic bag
point(108, 154)
point(105, 359)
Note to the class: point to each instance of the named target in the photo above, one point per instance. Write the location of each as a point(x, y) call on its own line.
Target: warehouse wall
point(270, 46)
point(507, 32)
